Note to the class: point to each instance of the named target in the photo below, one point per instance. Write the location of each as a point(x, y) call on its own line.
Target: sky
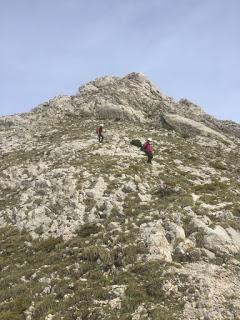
point(187, 48)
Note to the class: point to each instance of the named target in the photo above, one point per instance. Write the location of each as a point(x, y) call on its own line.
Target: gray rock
point(154, 236)
point(189, 127)
point(129, 187)
point(222, 241)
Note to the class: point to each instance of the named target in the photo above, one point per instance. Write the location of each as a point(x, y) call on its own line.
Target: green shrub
point(136, 143)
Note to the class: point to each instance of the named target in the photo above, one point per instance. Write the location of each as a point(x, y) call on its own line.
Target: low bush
point(88, 229)
point(136, 143)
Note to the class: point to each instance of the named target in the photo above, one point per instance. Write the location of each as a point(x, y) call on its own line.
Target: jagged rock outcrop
point(132, 98)
point(90, 231)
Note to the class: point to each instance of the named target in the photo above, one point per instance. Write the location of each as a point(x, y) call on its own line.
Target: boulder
point(221, 241)
point(154, 236)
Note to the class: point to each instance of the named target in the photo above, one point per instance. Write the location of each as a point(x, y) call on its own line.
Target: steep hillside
point(91, 231)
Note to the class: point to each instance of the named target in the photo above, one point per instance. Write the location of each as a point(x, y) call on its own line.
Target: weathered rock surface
point(189, 127)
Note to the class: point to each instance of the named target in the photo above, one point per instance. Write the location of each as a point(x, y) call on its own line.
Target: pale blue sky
point(188, 48)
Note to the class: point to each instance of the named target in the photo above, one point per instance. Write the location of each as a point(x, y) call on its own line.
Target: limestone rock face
point(90, 230)
point(222, 241)
point(154, 236)
point(189, 127)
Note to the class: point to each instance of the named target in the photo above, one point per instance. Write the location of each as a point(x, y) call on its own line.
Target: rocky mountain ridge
point(90, 231)
point(132, 98)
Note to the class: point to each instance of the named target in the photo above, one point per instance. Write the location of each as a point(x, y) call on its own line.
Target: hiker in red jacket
point(148, 149)
point(99, 132)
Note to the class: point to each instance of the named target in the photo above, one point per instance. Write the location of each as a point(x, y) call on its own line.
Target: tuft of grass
point(16, 304)
point(210, 187)
point(163, 313)
point(135, 295)
point(164, 191)
point(89, 203)
point(10, 315)
point(45, 306)
point(93, 253)
point(88, 229)
point(236, 210)
point(114, 211)
point(218, 165)
point(47, 245)
point(130, 254)
point(131, 205)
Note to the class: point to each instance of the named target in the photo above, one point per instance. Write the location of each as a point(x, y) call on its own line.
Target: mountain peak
point(131, 98)
point(90, 230)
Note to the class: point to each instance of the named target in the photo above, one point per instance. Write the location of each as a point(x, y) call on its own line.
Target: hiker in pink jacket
point(148, 149)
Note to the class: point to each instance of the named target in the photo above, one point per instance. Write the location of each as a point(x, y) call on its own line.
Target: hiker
point(148, 149)
point(99, 132)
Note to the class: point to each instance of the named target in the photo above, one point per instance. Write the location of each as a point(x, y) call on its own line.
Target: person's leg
point(150, 156)
point(101, 138)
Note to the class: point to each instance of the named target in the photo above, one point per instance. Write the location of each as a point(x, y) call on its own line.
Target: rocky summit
point(92, 231)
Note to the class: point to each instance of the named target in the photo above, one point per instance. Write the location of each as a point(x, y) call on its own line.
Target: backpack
point(143, 147)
